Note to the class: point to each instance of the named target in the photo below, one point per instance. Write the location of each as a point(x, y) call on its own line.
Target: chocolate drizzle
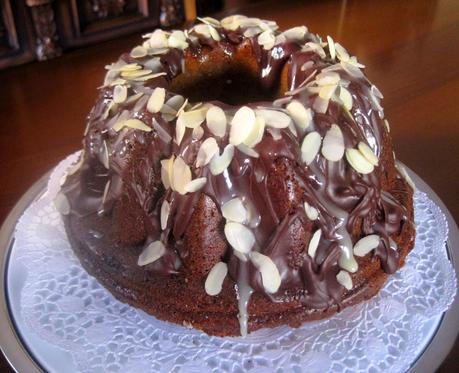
point(350, 205)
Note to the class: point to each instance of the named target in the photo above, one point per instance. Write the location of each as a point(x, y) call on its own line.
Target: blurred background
point(52, 55)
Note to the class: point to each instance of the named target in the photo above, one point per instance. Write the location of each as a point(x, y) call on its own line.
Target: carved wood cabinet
point(43, 29)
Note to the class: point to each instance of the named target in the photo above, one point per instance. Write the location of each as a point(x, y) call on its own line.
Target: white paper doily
point(67, 309)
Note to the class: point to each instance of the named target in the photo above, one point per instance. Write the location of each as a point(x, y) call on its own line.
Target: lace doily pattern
point(66, 307)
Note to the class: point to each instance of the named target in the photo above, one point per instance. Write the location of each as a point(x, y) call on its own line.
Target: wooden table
point(410, 49)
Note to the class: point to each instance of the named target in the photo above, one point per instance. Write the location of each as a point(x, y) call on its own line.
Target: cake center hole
point(233, 86)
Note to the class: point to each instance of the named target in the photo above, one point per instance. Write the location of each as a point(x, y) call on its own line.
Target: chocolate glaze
point(342, 196)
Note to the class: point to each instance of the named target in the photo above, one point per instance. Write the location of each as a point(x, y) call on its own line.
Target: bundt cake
point(235, 177)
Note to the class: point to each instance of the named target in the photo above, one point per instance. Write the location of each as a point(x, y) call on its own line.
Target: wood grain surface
point(410, 49)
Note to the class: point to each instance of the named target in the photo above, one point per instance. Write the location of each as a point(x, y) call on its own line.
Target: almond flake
point(210, 21)
point(344, 278)
point(216, 121)
point(314, 47)
point(193, 118)
point(151, 253)
point(358, 161)
point(274, 118)
point(267, 39)
point(131, 123)
point(167, 166)
point(300, 115)
point(165, 210)
point(162, 133)
point(179, 131)
point(346, 98)
point(220, 163)
point(148, 77)
point(133, 98)
point(241, 125)
point(331, 47)
point(197, 133)
point(177, 40)
point(239, 237)
point(311, 212)
point(234, 210)
point(195, 185)
point(247, 151)
point(333, 144)
point(314, 243)
point(256, 135)
point(156, 100)
point(207, 150)
point(296, 33)
point(135, 74)
point(310, 147)
point(367, 152)
point(181, 175)
point(232, 22)
point(214, 33)
point(270, 276)
point(327, 91)
point(366, 244)
point(320, 105)
point(61, 203)
point(275, 133)
point(119, 94)
point(139, 52)
point(215, 278)
point(158, 39)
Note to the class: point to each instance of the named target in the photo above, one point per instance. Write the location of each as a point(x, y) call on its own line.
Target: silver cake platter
point(441, 335)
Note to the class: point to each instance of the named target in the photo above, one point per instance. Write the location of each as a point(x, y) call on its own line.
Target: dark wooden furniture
point(44, 29)
point(409, 48)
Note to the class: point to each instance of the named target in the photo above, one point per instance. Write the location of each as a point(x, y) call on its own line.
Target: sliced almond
point(132, 123)
point(177, 40)
point(151, 253)
point(344, 278)
point(195, 185)
point(300, 115)
point(148, 77)
point(314, 243)
point(239, 237)
point(165, 210)
point(207, 150)
point(216, 121)
point(358, 161)
point(193, 118)
point(220, 163)
point(119, 94)
point(247, 151)
point(296, 33)
point(270, 276)
point(267, 39)
point(241, 125)
point(197, 133)
point(274, 118)
point(341, 53)
point(135, 74)
point(256, 135)
point(167, 166)
point(310, 147)
point(345, 98)
point(333, 144)
point(366, 244)
point(175, 102)
point(326, 92)
point(181, 175)
point(179, 130)
point(320, 105)
point(215, 278)
point(311, 212)
point(139, 52)
point(61, 203)
point(234, 210)
point(367, 152)
point(386, 124)
point(331, 47)
point(156, 100)
point(326, 78)
point(158, 39)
